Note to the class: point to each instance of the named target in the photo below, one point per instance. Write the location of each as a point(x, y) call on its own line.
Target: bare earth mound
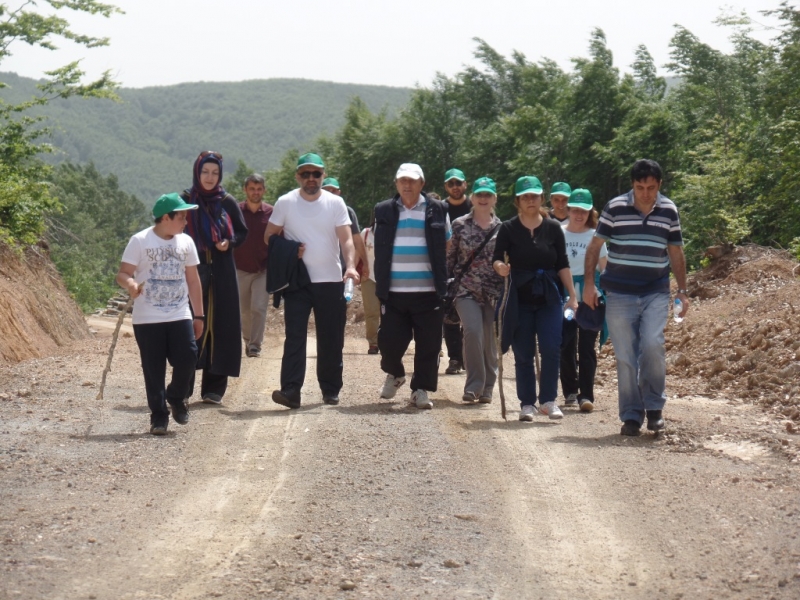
point(37, 314)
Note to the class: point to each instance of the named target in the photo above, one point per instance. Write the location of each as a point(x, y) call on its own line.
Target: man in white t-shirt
point(159, 270)
point(319, 221)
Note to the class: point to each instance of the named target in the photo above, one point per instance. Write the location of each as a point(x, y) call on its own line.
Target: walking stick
point(124, 312)
point(499, 341)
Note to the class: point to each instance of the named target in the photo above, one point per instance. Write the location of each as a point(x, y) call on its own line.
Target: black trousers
point(453, 338)
point(327, 301)
point(578, 377)
point(160, 343)
point(416, 315)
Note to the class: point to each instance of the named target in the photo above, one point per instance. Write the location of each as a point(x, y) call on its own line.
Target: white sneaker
point(572, 400)
point(420, 398)
point(391, 385)
point(527, 412)
point(551, 410)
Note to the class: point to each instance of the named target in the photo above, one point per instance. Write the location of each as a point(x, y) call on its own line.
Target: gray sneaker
point(470, 397)
point(571, 401)
point(391, 385)
point(420, 398)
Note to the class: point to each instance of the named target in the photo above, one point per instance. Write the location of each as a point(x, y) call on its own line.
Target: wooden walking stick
point(124, 312)
point(499, 340)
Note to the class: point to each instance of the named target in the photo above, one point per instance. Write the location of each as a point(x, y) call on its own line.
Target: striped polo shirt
point(638, 262)
point(411, 264)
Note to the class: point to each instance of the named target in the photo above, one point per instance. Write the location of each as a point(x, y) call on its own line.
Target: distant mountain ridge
point(150, 139)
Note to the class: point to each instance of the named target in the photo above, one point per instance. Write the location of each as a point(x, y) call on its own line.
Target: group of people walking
point(429, 268)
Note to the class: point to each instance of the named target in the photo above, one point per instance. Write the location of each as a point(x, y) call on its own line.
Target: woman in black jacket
point(539, 271)
point(216, 228)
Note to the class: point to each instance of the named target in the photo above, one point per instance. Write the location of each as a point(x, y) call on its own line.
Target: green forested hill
point(150, 139)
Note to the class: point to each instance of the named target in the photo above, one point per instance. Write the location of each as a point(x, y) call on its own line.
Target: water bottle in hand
point(677, 309)
point(569, 314)
point(348, 290)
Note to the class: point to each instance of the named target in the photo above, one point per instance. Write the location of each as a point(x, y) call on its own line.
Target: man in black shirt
point(458, 205)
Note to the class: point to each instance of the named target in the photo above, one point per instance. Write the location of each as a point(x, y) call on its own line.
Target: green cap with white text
point(528, 184)
point(560, 189)
point(170, 203)
point(314, 160)
point(454, 174)
point(581, 198)
point(484, 184)
point(330, 182)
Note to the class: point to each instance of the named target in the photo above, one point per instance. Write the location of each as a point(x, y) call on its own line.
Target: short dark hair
point(644, 168)
point(254, 178)
point(171, 216)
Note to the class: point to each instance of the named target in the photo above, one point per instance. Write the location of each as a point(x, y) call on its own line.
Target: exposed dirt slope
point(37, 314)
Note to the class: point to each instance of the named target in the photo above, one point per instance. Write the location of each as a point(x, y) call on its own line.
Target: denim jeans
point(544, 323)
point(636, 327)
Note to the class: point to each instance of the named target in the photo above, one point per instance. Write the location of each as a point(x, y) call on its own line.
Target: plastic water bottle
point(348, 290)
point(569, 314)
point(677, 309)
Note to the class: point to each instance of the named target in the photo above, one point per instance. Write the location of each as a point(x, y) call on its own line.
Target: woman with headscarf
point(540, 276)
point(216, 228)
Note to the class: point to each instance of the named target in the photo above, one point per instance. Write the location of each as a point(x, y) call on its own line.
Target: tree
point(23, 198)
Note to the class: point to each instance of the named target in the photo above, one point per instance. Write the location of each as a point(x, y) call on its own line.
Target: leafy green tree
point(23, 199)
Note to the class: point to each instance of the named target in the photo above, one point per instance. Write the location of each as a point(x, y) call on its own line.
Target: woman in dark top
point(539, 271)
point(216, 228)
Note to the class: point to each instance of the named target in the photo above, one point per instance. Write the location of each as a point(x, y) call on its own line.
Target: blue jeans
point(544, 323)
point(636, 327)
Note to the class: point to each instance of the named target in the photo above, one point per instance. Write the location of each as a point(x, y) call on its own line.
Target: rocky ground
point(373, 499)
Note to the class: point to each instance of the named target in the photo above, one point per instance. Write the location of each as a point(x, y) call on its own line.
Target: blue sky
point(162, 42)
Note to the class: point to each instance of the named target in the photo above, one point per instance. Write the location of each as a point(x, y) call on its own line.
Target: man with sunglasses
point(318, 220)
point(458, 205)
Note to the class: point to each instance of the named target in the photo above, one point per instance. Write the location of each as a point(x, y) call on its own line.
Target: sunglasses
point(454, 183)
point(211, 153)
point(307, 174)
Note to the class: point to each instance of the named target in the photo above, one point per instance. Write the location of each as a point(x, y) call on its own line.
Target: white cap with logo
point(410, 170)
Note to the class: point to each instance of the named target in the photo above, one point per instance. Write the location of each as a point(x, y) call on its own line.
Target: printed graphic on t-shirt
point(164, 289)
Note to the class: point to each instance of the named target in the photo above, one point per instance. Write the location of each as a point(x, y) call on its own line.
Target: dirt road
point(375, 499)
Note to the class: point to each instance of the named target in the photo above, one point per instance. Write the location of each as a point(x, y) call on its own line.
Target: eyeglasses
point(211, 153)
point(454, 183)
point(307, 174)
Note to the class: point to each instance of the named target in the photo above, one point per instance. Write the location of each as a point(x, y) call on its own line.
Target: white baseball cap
point(411, 170)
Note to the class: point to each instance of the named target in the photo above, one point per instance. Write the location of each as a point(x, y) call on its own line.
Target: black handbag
point(450, 314)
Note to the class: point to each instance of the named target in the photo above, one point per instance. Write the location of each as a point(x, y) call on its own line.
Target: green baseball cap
point(454, 174)
point(484, 184)
point(330, 182)
point(315, 160)
point(560, 189)
point(170, 203)
point(528, 185)
point(581, 198)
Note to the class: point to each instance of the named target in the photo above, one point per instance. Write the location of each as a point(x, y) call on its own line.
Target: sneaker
point(454, 367)
point(420, 398)
point(571, 401)
point(391, 385)
point(470, 397)
point(254, 352)
point(551, 410)
point(210, 398)
point(485, 399)
point(655, 422)
point(527, 412)
point(331, 399)
point(180, 412)
point(287, 399)
point(373, 350)
point(631, 428)
point(586, 405)
point(159, 428)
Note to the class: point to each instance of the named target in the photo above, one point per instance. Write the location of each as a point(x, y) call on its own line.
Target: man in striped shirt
point(644, 239)
point(411, 234)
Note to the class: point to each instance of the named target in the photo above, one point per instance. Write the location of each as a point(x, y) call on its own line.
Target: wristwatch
point(684, 292)
point(201, 317)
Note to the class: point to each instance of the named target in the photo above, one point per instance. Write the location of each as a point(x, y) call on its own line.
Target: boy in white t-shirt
point(159, 270)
